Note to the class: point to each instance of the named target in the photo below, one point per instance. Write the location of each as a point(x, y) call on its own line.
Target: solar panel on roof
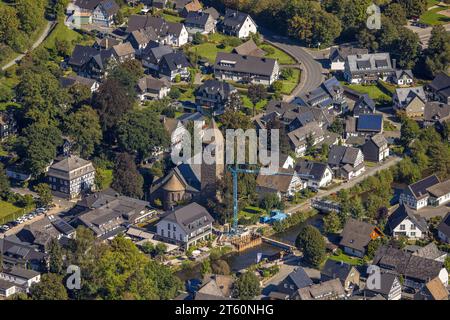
point(63, 226)
point(370, 122)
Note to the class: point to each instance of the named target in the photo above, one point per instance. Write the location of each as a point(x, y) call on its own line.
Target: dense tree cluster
point(111, 272)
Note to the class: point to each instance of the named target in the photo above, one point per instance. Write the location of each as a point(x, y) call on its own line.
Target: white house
point(428, 191)
point(185, 226)
point(7, 288)
point(150, 88)
point(403, 77)
point(285, 184)
point(405, 222)
point(22, 278)
point(316, 175)
point(238, 24)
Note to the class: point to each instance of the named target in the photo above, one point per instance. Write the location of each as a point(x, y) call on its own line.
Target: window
point(413, 234)
point(413, 227)
point(402, 227)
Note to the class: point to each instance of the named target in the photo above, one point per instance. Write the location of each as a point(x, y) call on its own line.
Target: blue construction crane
point(234, 172)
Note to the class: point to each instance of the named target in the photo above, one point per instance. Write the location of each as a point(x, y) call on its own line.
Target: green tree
point(396, 13)
point(356, 208)
point(256, 93)
point(10, 23)
point(140, 132)
point(83, 127)
point(312, 244)
point(112, 102)
point(127, 179)
point(55, 256)
point(30, 14)
point(37, 146)
point(248, 286)
point(438, 52)
point(332, 223)
point(45, 194)
point(4, 182)
point(205, 267)
point(49, 288)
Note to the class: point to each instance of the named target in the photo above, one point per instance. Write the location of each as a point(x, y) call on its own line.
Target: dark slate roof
point(197, 18)
point(392, 259)
point(423, 269)
point(419, 189)
point(234, 19)
point(403, 212)
point(444, 225)
point(336, 269)
point(150, 83)
point(154, 54)
point(175, 59)
point(247, 64)
point(310, 169)
point(364, 105)
point(214, 87)
point(87, 4)
point(327, 90)
point(404, 263)
point(441, 84)
point(370, 122)
point(187, 215)
point(22, 273)
point(110, 7)
point(430, 251)
point(82, 54)
point(343, 51)
point(160, 26)
point(435, 111)
point(342, 155)
point(356, 234)
point(300, 278)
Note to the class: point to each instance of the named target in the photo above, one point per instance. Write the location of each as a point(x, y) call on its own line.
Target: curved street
point(312, 71)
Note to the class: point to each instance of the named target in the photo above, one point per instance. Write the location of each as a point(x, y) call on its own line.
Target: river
point(242, 260)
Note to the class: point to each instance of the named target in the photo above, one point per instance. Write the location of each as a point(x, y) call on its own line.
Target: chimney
point(394, 64)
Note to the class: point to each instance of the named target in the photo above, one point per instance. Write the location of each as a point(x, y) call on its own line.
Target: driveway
point(312, 71)
point(45, 33)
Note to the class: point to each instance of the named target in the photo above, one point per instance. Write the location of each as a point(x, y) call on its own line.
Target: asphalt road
point(312, 71)
point(323, 193)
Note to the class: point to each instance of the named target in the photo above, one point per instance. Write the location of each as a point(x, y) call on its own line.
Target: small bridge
point(279, 244)
point(325, 205)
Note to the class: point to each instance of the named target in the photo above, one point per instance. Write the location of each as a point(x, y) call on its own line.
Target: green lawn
point(172, 18)
point(281, 56)
point(129, 10)
point(7, 209)
point(433, 17)
point(372, 90)
point(431, 3)
point(248, 104)
point(187, 94)
point(347, 259)
point(291, 83)
point(61, 32)
point(105, 176)
point(209, 50)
